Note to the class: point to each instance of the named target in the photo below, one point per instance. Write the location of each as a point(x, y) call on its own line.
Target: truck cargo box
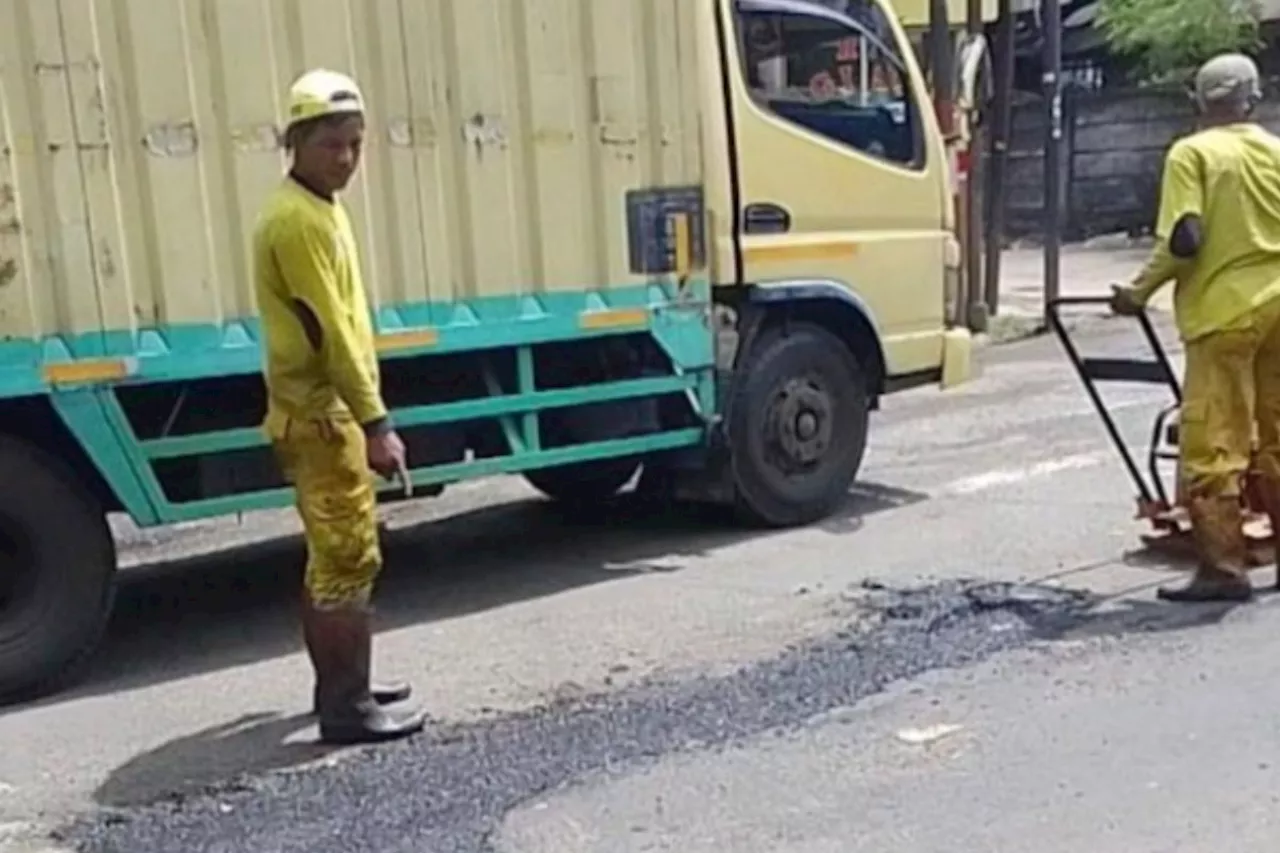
point(140, 137)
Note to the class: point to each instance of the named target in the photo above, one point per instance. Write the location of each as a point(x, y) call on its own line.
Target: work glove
point(1124, 301)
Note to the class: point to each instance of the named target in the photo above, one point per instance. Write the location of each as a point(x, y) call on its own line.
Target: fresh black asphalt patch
point(448, 791)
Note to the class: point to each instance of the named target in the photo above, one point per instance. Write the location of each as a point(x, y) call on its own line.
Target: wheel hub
point(799, 424)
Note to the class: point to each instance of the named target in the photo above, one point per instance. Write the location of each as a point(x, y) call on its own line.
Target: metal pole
point(1001, 127)
point(940, 59)
point(976, 312)
point(1052, 80)
point(943, 80)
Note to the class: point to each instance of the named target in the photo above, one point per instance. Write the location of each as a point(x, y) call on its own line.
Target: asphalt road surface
point(968, 657)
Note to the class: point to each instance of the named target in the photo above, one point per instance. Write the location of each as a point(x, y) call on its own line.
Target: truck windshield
point(860, 18)
point(833, 68)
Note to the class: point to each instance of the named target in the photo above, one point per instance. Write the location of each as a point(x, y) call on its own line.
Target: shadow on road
point(208, 613)
point(1128, 616)
point(1122, 613)
point(191, 765)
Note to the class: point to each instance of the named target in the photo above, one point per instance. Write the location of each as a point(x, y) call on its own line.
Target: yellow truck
point(698, 238)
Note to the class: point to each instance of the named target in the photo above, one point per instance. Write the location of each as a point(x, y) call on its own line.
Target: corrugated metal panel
point(139, 139)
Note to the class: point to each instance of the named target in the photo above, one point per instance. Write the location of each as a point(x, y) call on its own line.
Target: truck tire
point(797, 427)
point(583, 483)
point(57, 581)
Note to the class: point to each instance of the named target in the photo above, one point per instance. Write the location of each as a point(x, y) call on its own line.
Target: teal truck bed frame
point(755, 398)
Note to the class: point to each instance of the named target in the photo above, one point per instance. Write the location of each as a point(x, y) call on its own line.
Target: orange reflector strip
point(613, 319)
point(406, 340)
point(88, 370)
point(801, 252)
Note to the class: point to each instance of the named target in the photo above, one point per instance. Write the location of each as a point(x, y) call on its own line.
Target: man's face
point(328, 154)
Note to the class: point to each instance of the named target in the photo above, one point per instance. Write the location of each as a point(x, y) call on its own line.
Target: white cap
point(1228, 77)
point(323, 93)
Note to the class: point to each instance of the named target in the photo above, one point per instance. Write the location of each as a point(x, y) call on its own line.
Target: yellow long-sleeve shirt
point(1230, 177)
point(317, 334)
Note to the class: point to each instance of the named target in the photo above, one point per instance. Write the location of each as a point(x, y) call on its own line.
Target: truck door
point(841, 174)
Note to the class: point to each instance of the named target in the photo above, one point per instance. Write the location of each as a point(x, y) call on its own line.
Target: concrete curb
point(1007, 328)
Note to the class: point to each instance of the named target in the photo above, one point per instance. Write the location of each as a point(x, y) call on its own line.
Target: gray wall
point(1114, 143)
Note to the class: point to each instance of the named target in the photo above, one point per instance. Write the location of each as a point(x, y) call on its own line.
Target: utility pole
point(1052, 80)
point(941, 67)
point(999, 130)
point(976, 312)
point(940, 61)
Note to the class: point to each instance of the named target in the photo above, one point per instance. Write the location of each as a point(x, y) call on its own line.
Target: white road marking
point(929, 734)
point(1009, 476)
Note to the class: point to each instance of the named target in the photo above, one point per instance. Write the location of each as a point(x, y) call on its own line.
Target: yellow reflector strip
point(800, 252)
point(88, 370)
point(407, 340)
point(616, 318)
point(684, 244)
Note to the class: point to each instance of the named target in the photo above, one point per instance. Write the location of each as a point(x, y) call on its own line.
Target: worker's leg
point(1266, 371)
point(384, 693)
point(326, 461)
point(1214, 447)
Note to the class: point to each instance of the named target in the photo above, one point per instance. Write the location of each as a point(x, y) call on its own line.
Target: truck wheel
point(57, 573)
point(797, 426)
point(583, 483)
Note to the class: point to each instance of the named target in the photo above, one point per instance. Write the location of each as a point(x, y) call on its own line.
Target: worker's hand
point(387, 455)
point(1124, 301)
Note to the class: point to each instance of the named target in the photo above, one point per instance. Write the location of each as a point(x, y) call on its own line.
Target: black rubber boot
point(1218, 526)
point(384, 693)
point(1269, 492)
point(341, 642)
point(1208, 585)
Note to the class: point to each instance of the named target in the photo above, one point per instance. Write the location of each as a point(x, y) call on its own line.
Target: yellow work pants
point(326, 460)
point(1231, 396)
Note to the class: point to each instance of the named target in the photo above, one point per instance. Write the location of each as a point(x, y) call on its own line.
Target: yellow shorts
point(326, 461)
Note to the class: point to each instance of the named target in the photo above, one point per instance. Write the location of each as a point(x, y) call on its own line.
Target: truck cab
point(838, 188)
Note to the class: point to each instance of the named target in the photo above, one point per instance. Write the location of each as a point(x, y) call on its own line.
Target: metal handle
point(765, 217)
point(1091, 371)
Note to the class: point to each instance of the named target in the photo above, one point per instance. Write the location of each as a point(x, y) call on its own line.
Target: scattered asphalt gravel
point(447, 791)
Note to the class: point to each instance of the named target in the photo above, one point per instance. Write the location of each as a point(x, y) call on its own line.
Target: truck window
point(836, 72)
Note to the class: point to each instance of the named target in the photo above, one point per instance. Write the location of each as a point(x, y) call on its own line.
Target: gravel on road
point(448, 791)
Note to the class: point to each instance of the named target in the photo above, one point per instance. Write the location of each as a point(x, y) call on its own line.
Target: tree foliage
point(1168, 38)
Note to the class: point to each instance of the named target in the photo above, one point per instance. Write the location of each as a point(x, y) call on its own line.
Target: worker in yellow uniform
point(325, 416)
point(1218, 237)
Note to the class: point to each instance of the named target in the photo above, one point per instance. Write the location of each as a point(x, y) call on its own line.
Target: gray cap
point(1229, 77)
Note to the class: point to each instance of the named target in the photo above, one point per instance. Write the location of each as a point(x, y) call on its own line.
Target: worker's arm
point(307, 262)
point(1179, 226)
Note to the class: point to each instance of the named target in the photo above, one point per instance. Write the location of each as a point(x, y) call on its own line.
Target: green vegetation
point(1169, 38)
